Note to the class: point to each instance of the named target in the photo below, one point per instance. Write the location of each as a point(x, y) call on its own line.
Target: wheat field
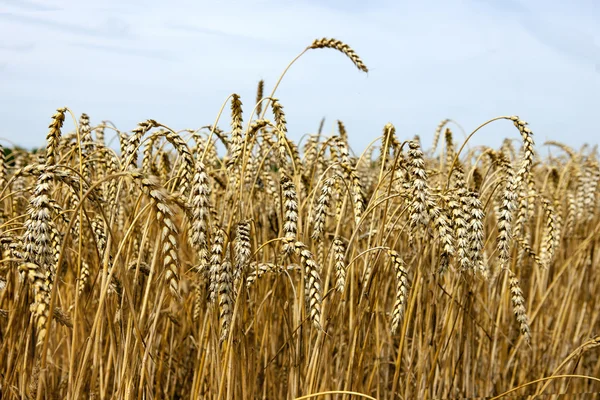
point(230, 262)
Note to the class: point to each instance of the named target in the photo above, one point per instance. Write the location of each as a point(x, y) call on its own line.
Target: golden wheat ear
point(260, 93)
point(339, 251)
point(518, 303)
point(338, 45)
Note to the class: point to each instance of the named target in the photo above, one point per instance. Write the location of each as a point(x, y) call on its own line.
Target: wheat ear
point(340, 46)
point(165, 216)
point(401, 289)
point(290, 208)
point(312, 283)
point(339, 254)
point(518, 303)
point(260, 89)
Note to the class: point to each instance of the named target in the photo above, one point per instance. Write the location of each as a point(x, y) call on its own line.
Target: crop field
point(232, 262)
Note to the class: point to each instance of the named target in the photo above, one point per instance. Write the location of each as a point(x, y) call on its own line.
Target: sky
point(177, 62)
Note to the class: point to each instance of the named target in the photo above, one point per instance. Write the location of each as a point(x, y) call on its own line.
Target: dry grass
point(270, 272)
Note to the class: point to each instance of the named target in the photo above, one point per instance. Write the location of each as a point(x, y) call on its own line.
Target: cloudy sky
point(176, 62)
